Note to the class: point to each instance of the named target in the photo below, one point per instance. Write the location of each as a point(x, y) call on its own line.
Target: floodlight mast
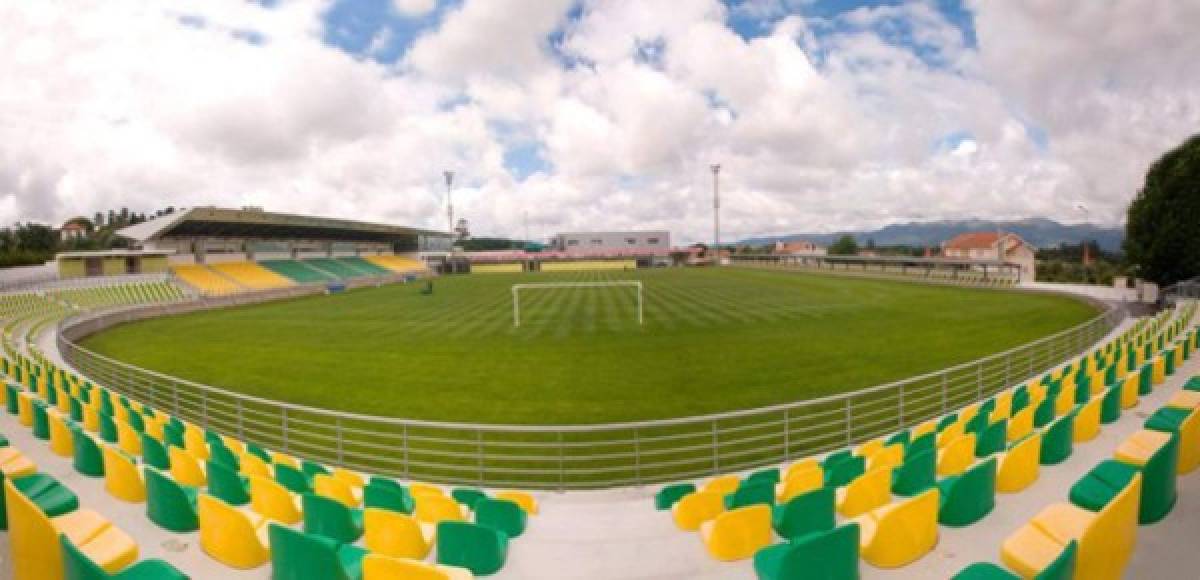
point(449, 201)
point(716, 170)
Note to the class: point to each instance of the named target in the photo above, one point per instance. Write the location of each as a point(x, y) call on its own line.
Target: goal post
point(517, 288)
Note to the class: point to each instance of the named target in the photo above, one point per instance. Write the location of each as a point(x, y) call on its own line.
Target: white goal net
point(517, 288)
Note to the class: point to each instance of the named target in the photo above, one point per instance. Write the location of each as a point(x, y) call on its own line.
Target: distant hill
point(1041, 232)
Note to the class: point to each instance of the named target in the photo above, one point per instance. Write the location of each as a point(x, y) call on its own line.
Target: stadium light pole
point(716, 171)
point(449, 201)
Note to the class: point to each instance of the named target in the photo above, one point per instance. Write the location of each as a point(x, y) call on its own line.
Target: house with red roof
point(1003, 247)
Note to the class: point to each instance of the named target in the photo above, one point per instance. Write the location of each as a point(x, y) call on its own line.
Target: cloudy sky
point(824, 114)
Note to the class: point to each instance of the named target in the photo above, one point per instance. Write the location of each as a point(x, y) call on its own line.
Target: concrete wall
point(71, 268)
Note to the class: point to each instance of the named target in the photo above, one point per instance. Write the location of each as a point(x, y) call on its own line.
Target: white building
point(654, 241)
point(1001, 247)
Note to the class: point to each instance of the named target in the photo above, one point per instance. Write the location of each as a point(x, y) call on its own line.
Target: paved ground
point(617, 534)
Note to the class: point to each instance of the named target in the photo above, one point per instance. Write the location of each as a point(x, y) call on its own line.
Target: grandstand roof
point(212, 222)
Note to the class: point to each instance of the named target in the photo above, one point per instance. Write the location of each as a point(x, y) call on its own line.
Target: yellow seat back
point(417, 488)
point(194, 443)
point(1021, 424)
point(394, 534)
point(437, 508)
point(1129, 391)
point(739, 533)
point(122, 479)
point(348, 477)
point(1065, 401)
point(957, 456)
point(185, 468)
point(128, 439)
point(33, 541)
point(871, 490)
point(886, 457)
point(802, 465)
point(696, 508)
point(154, 426)
point(91, 419)
point(722, 484)
point(1159, 373)
point(1107, 543)
point(284, 459)
point(1189, 443)
point(951, 433)
point(1018, 467)
point(335, 489)
point(900, 533)
point(381, 567)
point(1087, 421)
point(61, 440)
point(1003, 407)
point(254, 465)
point(268, 498)
point(801, 481)
point(924, 428)
point(869, 448)
point(521, 498)
point(231, 536)
point(25, 408)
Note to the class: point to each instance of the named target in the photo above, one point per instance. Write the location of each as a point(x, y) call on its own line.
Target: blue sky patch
point(373, 29)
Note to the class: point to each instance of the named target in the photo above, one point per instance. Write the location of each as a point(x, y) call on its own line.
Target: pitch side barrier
point(570, 456)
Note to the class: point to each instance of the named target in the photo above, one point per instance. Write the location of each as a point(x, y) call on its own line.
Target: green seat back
point(51, 496)
point(1044, 413)
point(668, 495)
point(845, 471)
point(922, 444)
point(1146, 378)
point(917, 474)
point(302, 556)
point(78, 566)
point(1063, 567)
point(835, 458)
point(805, 514)
point(394, 498)
point(1057, 440)
point(168, 504)
point(828, 555)
point(173, 435)
point(991, 439)
point(258, 452)
point(225, 484)
point(769, 475)
point(967, 498)
point(480, 549)
point(76, 410)
point(108, 429)
point(11, 390)
point(467, 496)
point(312, 470)
point(87, 457)
point(947, 421)
point(136, 421)
point(41, 423)
point(331, 518)
point(501, 514)
point(902, 438)
point(291, 478)
point(154, 453)
point(1159, 489)
point(1110, 407)
point(977, 424)
point(1020, 399)
point(219, 453)
point(750, 493)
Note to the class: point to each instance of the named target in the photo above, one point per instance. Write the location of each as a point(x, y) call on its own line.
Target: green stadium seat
point(805, 514)
point(154, 453)
point(108, 429)
point(41, 423)
point(1110, 408)
point(844, 471)
point(226, 485)
point(47, 493)
point(291, 478)
point(311, 470)
point(332, 519)
point(1058, 440)
point(11, 390)
point(221, 454)
point(305, 556)
point(501, 514)
point(87, 460)
point(258, 452)
point(1045, 412)
point(922, 444)
point(389, 497)
point(992, 439)
point(825, 555)
point(947, 421)
point(668, 495)
point(1061, 568)
point(750, 493)
point(78, 566)
point(903, 438)
point(467, 496)
point(967, 498)
point(1159, 491)
point(770, 475)
point(917, 474)
point(296, 271)
point(480, 549)
point(168, 504)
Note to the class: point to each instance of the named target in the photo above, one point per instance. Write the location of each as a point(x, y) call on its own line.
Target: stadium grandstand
point(219, 252)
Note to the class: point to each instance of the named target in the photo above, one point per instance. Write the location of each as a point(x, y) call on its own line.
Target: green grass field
point(713, 340)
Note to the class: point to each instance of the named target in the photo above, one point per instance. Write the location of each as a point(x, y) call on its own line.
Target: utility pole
point(449, 201)
point(716, 170)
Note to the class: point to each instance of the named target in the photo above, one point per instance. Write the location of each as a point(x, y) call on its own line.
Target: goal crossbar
point(516, 293)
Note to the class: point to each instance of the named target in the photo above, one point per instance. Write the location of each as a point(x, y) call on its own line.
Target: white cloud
point(120, 103)
point(414, 8)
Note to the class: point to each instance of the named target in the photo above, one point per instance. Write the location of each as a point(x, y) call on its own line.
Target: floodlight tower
point(449, 201)
point(716, 171)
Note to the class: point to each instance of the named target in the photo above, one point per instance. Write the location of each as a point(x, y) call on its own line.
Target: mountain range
point(1040, 232)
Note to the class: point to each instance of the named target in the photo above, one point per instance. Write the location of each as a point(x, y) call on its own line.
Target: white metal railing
point(571, 456)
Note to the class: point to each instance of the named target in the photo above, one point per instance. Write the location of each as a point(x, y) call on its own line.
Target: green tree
point(1162, 231)
point(844, 246)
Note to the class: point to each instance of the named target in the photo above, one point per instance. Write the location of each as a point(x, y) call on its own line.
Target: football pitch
point(712, 340)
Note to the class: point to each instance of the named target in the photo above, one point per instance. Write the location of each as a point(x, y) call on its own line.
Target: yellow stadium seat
point(1159, 373)
point(185, 468)
point(336, 489)
point(800, 481)
point(128, 439)
point(122, 479)
point(64, 402)
point(722, 484)
point(348, 477)
point(154, 426)
point(35, 549)
point(1037, 394)
point(899, 533)
point(233, 444)
point(251, 275)
point(25, 408)
point(887, 457)
point(252, 464)
point(1003, 407)
point(380, 567)
point(231, 536)
point(968, 413)
point(1129, 391)
point(869, 491)
point(696, 508)
point(437, 508)
point(1065, 401)
point(1186, 400)
point(120, 413)
point(14, 464)
point(416, 489)
point(957, 456)
point(397, 535)
point(271, 500)
point(1087, 421)
point(1021, 424)
point(869, 448)
point(284, 459)
point(737, 534)
point(62, 443)
point(193, 441)
point(1106, 539)
point(205, 280)
point(924, 428)
point(951, 433)
point(521, 498)
point(799, 466)
point(1018, 467)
